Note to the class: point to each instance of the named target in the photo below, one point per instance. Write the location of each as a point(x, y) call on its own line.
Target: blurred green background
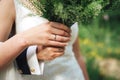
point(99, 32)
point(100, 43)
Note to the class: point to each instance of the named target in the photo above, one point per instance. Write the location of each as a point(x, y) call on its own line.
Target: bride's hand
point(49, 53)
point(47, 34)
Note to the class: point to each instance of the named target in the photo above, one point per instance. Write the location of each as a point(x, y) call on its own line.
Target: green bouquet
point(68, 11)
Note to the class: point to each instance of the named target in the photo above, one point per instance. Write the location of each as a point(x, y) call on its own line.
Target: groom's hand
point(49, 53)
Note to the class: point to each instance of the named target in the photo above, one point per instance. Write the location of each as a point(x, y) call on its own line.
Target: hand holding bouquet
point(67, 11)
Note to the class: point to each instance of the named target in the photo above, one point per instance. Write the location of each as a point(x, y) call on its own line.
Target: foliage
point(113, 5)
point(93, 69)
point(70, 11)
point(99, 42)
point(99, 39)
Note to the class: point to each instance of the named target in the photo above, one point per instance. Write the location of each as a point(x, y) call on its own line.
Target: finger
point(60, 54)
point(56, 43)
point(52, 37)
point(54, 48)
point(49, 59)
point(62, 38)
point(60, 32)
point(57, 54)
point(58, 49)
point(60, 26)
point(59, 38)
point(39, 48)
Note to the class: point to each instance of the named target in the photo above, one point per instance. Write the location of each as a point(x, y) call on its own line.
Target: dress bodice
point(26, 17)
point(25, 20)
point(62, 68)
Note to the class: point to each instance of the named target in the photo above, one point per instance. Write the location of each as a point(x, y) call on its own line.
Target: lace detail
point(32, 5)
point(59, 68)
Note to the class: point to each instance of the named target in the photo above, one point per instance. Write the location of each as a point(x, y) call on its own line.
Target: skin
point(13, 46)
point(22, 40)
point(79, 59)
point(45, 50)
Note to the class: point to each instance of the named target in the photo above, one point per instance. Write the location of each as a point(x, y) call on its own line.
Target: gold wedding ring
point(55, 36)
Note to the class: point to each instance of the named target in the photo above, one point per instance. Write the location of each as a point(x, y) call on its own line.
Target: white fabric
point(66, 66)
point(24, 19)
point(10, 72)
point(62, 68)
point(23, 22)
point(33, 61)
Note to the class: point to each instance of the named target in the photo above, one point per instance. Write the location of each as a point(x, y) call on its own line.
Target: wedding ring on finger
point(55, 36)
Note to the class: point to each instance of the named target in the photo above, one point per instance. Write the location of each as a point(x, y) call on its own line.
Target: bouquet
point(67, 11)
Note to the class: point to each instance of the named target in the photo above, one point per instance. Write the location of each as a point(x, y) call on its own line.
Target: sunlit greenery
point(99, 29)
point(70, 11)
point(100, 40)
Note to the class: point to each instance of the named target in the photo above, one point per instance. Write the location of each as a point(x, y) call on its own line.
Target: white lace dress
point(66, 66)
point(62, 68)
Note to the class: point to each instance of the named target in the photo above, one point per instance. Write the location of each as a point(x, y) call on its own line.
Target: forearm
point(10, 49)
point(83, 67)
point(79, 59)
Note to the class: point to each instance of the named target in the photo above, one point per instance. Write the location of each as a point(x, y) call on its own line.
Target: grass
point(98, 42)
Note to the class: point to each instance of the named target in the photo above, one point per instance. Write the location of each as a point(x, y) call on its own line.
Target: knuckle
point(63, 39)
point(62, 53)
point(46, 42)
point(49, 29)
point(66, 34)
point(62, 32)
point(60, 39)
point(50, 58)
point(67, 39)
point(50, 22)
point(49, 43)
point(61, 25)
point(48, 36)
point(49, 49)
point(60, 44)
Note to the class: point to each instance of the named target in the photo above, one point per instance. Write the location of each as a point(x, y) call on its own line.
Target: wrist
point(39, 48)
point(38, 53)
point(21, 40)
